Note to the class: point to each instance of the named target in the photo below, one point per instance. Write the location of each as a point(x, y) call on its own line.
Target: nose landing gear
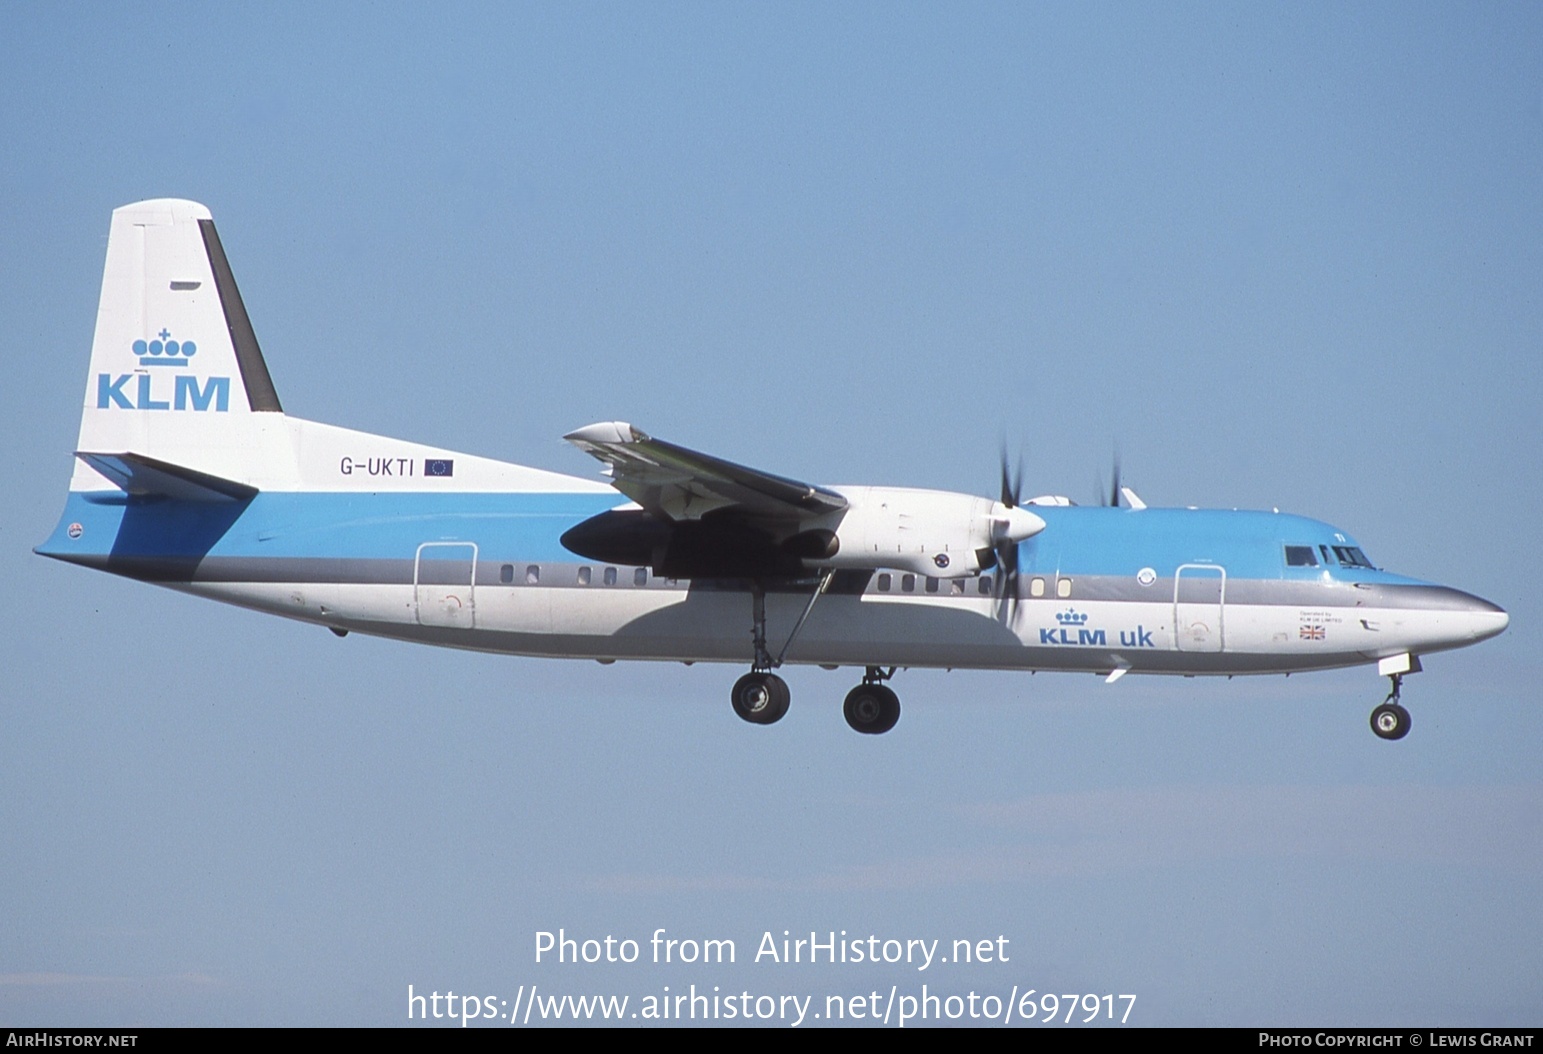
point(1391, 720)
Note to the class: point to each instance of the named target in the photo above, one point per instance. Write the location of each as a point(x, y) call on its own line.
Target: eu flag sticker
point(438, 466)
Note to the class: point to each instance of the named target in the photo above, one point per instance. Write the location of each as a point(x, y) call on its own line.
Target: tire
point(760, 698)
point(871, 709)
point(1390, 721)
point(781, 697)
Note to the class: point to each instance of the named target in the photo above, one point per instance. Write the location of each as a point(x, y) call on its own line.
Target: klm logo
point(149, 391)
point(1073, 630)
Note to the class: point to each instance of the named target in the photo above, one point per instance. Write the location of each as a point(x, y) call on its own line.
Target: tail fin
point(176, 372)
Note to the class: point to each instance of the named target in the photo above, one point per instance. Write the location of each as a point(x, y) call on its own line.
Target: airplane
point(189, 475)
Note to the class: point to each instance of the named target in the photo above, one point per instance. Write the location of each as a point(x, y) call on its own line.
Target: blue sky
point(1277, 255)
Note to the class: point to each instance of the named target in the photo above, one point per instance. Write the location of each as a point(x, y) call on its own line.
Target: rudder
point(176, 371)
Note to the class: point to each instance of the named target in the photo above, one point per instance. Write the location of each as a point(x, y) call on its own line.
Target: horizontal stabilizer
point(140, 475)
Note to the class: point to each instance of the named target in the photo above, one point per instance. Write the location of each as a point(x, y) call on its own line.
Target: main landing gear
point(1391, 720)
point(761, 697)
point(872, 707)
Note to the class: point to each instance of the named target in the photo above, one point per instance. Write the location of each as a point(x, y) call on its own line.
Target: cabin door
point(1199, 596)
point(443, 578)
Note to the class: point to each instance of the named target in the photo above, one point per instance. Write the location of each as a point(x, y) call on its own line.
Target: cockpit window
point(1342, 555)
point(1351, 556)
point(1300, 556)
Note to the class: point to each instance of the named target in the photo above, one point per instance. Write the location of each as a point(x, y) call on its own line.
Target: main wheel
point(1390, 721)
point(871, 709)
point(760, 698)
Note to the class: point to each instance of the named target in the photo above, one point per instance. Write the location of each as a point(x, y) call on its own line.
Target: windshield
point(1327, 556)
point(1351, 556)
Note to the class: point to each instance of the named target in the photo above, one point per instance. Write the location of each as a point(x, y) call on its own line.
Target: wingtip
point(606, 432)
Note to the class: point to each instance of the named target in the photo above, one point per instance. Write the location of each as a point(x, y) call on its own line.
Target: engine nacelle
point(929, 532)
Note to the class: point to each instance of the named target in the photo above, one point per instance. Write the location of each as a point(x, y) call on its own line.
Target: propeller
point(1113, 501)
point(1004, 545)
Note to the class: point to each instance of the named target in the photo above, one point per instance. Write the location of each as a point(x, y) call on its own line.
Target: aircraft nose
point(1491, 622)
point(1480, 618)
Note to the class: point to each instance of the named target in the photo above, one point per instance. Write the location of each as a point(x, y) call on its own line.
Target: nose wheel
point(1391, 720)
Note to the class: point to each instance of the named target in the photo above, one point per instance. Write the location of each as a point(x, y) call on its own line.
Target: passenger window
point(984, 589)
point(506, 574)
point(932, 585)
point(610, 576)
point(884, 583)
point(956, 586)
point(908, 583)
point(640, 577)
point(1037, 587)
point(584, 574)
point(1063, 588)
point(533, 575)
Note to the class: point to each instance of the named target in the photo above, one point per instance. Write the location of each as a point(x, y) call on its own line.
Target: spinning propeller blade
point(1113, 500)
point(1005, 548)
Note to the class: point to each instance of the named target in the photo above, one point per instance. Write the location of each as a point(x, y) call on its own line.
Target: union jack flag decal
point(1311, 633)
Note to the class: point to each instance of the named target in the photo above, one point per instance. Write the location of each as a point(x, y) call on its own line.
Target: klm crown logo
point(1071, 617)
point(147, 389)
point(165, 351)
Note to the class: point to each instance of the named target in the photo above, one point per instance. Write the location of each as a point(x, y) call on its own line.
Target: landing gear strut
point(1391, 720)
point(760, 696)
point(872, 707)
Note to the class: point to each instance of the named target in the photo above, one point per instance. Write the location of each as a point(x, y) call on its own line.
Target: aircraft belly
point(713, 625)
point(309, 601)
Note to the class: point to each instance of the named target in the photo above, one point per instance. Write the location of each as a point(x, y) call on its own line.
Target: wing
point(679, 484)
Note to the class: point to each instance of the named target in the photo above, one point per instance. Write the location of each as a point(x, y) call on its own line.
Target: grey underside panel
point(1269, 591)
point(323, 570)
point(1087, 588)
point(811, 650)
point(693, 622)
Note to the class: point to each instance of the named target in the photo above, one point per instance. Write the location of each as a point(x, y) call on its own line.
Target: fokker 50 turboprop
point(188, 474)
